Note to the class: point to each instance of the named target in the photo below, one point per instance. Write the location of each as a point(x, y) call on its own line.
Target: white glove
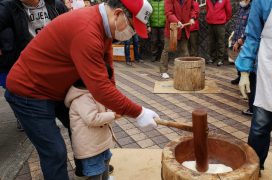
point(180, 25)
point(146, 118)
point(244, 84)
point(192, 21)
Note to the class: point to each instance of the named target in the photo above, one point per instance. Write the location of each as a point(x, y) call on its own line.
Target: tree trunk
point(189, 74)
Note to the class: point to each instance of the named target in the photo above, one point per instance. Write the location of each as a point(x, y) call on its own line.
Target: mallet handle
point(174, 124)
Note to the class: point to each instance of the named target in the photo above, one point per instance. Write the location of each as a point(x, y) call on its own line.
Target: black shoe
point(235, 81)
point(19, 126)
point(111, 168)
point(155, 59)
point(247, 112)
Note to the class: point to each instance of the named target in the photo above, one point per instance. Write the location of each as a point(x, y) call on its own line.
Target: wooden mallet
point(173, 35)
point(200, 132)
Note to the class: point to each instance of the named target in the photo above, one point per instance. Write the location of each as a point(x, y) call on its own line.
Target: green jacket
point(157, 18)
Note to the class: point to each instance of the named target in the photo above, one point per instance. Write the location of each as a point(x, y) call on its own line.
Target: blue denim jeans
point(38, 118)
point(259, 134)
point(135, 41)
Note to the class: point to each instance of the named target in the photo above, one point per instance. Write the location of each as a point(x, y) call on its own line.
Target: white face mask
point(124, 35)
point(243, 4)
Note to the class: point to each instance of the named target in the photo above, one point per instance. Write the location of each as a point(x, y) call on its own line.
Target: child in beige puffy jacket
point(92, 135)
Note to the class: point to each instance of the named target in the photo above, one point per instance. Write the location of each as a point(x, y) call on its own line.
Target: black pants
point(251, 95)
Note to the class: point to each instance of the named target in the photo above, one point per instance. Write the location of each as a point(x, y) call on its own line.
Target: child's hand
point(117, 116)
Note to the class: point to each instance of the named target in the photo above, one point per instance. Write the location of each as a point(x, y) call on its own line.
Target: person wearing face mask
point(75, 45)
point(256, 56)
point(239, 37)
point(24, 19)
point(238, 40)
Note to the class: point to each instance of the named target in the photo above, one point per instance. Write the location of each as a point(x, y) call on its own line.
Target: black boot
point(235, 81)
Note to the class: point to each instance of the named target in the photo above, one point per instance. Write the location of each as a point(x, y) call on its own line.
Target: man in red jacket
point(76, 45)
point(181, 12)
point(218, 14)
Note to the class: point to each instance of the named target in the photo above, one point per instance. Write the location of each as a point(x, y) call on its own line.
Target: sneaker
point(140, 61)
point(129, 63)
point(235, 81)
point(111, 168)
point(209, 61)
point(220, 63)
point(111, 178)
point(165, 76)
point(247, 112)
point(19, 126)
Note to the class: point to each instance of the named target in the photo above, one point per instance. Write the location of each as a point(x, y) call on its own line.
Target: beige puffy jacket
point(90, 124)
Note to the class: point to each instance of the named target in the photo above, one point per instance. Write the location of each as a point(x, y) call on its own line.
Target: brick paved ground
point(137, 82)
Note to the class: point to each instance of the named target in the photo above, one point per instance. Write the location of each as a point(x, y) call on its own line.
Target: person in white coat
point(257, 52)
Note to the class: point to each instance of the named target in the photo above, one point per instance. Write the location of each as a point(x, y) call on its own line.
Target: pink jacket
point(90, 124)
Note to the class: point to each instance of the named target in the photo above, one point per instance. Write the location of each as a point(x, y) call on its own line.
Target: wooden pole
point(200, 131)
point(174, 124)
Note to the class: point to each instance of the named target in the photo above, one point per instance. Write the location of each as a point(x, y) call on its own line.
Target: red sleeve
point(169, 11)
point(228, 10)
point(197, 9)
point(193, 13)
point(87, 52)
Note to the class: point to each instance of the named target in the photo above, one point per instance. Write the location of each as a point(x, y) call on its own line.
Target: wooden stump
point(189, 74)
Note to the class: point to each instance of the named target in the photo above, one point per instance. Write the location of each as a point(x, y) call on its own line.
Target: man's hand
point(180, 25)
point(236, 47)
point(146, 118)
point(192, 21)
point(148, 29)
point(117, 116)
point(240, 42)
point(244, 84)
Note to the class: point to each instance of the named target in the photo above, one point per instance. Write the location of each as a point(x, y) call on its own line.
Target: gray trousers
point(182, 51)
point(157, 42)
point(193, 43)
point(217, 46)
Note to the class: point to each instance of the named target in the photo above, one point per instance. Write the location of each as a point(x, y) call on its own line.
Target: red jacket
point(195, 27)
point(218, 13)
point(176, 12)
point(72, 46)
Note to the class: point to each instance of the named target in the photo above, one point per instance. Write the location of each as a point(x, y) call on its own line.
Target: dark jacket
point(13, 15)
point(240, 24)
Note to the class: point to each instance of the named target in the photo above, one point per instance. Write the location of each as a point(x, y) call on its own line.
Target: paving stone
point(145, 143)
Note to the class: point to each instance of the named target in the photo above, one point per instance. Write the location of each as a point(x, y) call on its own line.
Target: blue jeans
point(259, 134)
point(3, 78)
point(97, 165)
point(135, 41)
point(38, 118)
